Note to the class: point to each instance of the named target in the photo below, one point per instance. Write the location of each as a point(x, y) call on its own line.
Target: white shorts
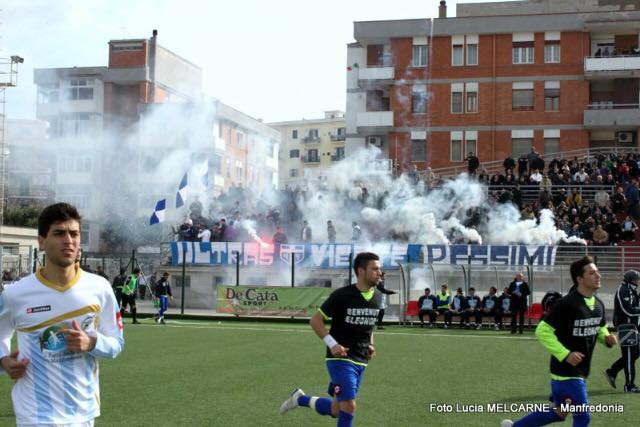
point(82, 424)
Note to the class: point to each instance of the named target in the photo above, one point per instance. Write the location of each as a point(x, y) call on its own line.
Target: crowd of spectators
point(595, 199)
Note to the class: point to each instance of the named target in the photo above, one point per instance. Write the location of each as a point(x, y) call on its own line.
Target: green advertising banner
point(270, 300)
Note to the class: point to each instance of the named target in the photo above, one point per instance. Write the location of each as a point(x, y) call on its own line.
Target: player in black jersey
point(353, 311)
point(569, 332)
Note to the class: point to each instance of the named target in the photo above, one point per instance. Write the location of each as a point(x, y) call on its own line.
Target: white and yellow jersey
point(59, 386)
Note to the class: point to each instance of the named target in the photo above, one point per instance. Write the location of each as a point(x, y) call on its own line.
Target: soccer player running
point(65, 320)
point(353, 311)
point(163, 293)
point(569, 332)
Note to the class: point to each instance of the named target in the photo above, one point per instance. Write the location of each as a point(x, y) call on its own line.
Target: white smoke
point(459, 211)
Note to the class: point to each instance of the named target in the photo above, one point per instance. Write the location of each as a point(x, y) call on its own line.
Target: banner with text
point(336, 256)
point(270, 300)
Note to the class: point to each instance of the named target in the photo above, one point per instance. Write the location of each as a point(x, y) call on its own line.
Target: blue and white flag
point(158, 213)
point(181, 195)
point(204, 174)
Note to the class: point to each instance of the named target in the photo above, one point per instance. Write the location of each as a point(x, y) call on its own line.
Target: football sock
point(322, 405)
point(134, 311)
point(345, 419)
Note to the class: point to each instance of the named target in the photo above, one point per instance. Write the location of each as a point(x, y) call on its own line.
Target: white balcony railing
point(611, 63)
point(376, 73)
point(375, 119)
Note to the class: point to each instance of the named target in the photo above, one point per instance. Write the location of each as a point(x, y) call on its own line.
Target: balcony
point(311, 159)
point(337, 158)
point(311, 139)
point(374, 121)
point(612, 115)
point(376, 76)
point(335, 137)
point(610, 67)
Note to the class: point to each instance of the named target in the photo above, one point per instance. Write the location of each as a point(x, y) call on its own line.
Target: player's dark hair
point(494, 288)
point(577, 269)
point(136, 270)
point(472, 289)
point(362, 260)
point(427, 289)
point(58, 212)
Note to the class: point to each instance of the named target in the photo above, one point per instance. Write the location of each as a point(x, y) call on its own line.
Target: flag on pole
point(204, 174)
point(181, 195)
point(158, 213)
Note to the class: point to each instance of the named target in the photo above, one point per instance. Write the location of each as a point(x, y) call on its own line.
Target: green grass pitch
point(206, 373)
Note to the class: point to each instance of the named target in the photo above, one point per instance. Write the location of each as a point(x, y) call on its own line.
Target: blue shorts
point(573, 391)
point(345, 379)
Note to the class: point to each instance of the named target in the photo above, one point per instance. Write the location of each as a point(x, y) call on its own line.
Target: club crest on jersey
point(52, 339)
point(296, 250)
point(39, 309)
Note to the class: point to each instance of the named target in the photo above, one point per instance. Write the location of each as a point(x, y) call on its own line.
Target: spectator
point(600, 236)
point(331, 232)
point(443, 299)
point(629, 228)
point(532, 157)
point(279, 238)
point(427, 304)
point(472, 163)
point(473, 309)
point(509, 165)
point(536, 177)
point(100, 272)
point(618, 200)
point(357, 232)
point(204, 234)
point(490, 307)
point(518, 293)
point(601, 198)
point(456, 308)
point(305, 233)
point(504, 306)
point(522, 165)
point(614, 230)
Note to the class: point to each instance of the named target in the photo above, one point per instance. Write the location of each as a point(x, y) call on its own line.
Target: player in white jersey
point(65, 319)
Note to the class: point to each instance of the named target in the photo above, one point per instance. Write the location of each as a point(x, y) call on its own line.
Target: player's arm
point(9, 363)
point(546, 334)
point(109, 338)
point(317, 324)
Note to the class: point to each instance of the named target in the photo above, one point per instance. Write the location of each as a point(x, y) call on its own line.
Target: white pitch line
point(236, 328)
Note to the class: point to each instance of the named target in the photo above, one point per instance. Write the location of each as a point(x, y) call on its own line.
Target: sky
point(275, 60)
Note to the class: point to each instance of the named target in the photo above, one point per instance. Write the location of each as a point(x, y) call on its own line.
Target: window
point(419, 99)
point(294, 173)
point(312, 156)
point(456, 147)
point(522, 98)
point(472, 49)
point(471, 93)
point(342, 132)
point(523, 48)
point(521, 146)
point(78, 90)
point(470, 139)
point(457, 90)
point(457, 57)
point(418, 150)
point(551, 96)
point(523, 55)
point(420, 53)
point(551, 145)
point(294, 134)
point(293, 154)
point(552, 52)
point(339, 154)
point(74, 124)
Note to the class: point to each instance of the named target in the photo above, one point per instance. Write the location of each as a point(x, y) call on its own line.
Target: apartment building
point(113, 127)
point(495, 80)
point(309, 147)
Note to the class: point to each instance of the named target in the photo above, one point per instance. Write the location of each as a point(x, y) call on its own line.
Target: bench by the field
point(532, 315)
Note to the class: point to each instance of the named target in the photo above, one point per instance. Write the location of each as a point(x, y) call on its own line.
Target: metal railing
point(584, 154)
point(532, 192)
point(610, 105)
